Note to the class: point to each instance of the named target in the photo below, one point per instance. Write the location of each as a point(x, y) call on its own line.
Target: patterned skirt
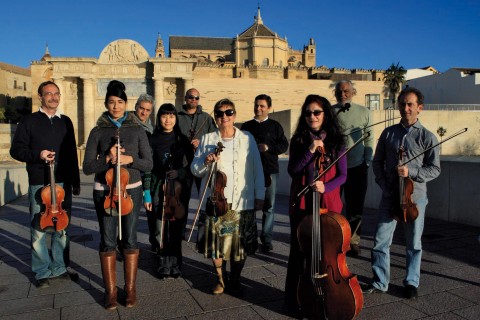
point(232, 236)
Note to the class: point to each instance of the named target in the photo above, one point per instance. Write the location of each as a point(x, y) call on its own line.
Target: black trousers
point(354, 191)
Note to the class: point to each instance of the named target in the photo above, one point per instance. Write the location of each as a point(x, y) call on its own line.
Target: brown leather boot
point(220, 286)
point(130, 266)
point(108, 262)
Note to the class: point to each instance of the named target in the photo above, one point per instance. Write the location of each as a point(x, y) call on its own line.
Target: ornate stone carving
point(123, 51)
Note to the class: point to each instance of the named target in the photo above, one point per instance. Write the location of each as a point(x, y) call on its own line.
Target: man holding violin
point(40, 138)
point(412, 140)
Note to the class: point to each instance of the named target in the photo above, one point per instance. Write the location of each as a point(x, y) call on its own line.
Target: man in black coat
point(271, 142)
point(42, 139)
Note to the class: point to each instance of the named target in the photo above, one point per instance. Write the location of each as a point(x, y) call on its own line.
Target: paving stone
point(449, 289)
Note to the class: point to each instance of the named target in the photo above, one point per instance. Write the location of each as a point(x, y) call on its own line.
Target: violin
point(52, 196)
point(327, 289)
point(173, 207)
point(404, 210)
point(118, 201)
point(217, 203)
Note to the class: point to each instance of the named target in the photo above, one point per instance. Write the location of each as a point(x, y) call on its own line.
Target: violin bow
point(318, 177)
point(436, 145)
point(213, 165)
point(201, 126)
point(119, 190)
point(167, 163)
point(372, 125)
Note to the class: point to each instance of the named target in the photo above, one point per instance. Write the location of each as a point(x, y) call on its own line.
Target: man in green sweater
point(354, 118)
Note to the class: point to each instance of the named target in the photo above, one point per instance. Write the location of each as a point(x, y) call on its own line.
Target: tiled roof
point(257, 29)
point(15, 69)
point(200, 43)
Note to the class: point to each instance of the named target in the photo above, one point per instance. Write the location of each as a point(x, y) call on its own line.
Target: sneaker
point(370, 289)
point(410, 292)
point(43, 283)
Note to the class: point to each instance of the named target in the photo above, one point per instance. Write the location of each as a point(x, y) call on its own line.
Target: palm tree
point(394, 78)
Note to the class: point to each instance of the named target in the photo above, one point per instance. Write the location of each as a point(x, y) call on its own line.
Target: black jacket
point(37, 132)
point(269, 132)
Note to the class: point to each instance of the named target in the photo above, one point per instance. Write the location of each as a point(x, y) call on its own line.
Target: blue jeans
point(45, 264)
point(383, 239)
point(268, 216)
point(109, 224)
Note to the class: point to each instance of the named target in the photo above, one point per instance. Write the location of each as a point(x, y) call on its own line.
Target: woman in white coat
point(230, 235)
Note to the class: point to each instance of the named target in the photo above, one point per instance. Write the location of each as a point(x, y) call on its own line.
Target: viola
point(327, 289)
point(118, 201)
point(404, 209)
point(52, 196)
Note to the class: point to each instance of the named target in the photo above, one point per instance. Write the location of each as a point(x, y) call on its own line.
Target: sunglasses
point(229, 113)
point(193, 97)
point(316, 113)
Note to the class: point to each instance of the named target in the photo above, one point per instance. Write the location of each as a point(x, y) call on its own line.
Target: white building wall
point(451, 87)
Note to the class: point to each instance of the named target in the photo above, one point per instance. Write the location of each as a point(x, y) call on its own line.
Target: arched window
point(265, 62)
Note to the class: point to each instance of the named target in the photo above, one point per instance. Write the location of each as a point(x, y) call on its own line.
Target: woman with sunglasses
point(100, 156)
point(317, 130)
point(169, 147)
point(233, 235)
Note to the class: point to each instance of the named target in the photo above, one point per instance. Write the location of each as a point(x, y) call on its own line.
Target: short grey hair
point(144, 97)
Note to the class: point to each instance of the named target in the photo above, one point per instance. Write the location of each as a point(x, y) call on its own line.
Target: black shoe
point(163, 272)
point(43, 283)
point(354, 251)
point(175, 272)
point(410, 292)
point(266, 247)
point(370, 289)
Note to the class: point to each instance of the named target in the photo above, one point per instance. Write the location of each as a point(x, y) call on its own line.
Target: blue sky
point(368, 34)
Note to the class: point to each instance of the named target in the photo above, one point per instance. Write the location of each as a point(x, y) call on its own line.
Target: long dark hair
point(116, 89)
point(167, 108)
point(334, 140)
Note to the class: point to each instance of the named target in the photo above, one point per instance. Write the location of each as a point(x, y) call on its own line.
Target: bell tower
point(159, 49)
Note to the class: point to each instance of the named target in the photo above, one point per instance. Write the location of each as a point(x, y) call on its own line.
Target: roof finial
point(258, 18)
point(46, 49)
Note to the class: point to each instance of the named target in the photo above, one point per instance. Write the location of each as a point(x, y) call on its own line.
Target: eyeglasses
point(229, 113)
point(316, 113)
point(193, 97)
point(49, 94)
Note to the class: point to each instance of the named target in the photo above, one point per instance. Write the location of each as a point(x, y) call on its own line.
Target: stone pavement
point(450, 283)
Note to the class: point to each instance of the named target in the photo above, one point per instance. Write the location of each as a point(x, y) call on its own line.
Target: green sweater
point(355, 118)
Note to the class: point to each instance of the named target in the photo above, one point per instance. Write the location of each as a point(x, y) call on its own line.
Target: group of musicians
point(233, 171)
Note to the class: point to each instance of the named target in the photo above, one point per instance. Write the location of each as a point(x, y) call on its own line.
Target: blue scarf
point(118, 123)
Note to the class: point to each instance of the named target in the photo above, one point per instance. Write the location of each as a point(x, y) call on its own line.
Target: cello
point(52, 196)
point(327, 289)
point(118, 201)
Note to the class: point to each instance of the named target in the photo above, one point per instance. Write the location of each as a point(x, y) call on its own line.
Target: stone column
point(187, 84)
point(89, 119)
point(158, 94)
point(59, 82)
